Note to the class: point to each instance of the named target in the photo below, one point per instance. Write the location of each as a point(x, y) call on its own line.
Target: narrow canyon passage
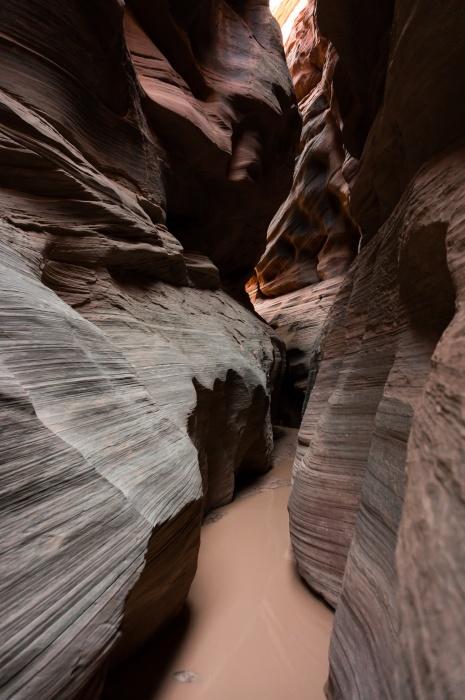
point(232, 244)
point(250, 629)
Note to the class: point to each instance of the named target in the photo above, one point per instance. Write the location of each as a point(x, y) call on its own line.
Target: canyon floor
point(250, 629)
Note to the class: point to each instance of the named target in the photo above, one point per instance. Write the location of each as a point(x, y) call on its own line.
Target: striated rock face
point(312, 240)
point(377, 505)
point(306, 52)
point(312, 237)
point(286, 12)
point(298, 318)
point(218, 98)
point(127, 140)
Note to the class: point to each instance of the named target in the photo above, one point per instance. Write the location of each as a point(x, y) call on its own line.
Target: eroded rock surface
point(218, 98)
point(127, 140)
point(312, 240)
point(377, 500)
point(312, 237)
point(298, 318)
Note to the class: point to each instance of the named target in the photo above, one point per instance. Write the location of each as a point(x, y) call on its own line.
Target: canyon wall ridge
point(376, 509)
point(143, 151)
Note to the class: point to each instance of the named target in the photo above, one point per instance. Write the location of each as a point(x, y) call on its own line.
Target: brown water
point(251, 629)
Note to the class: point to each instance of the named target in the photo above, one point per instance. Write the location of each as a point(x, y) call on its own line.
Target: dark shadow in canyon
point(145, 673)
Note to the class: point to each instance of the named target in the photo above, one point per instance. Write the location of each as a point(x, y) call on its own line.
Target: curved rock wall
point(312, 237)
point(117, 341)
point(312, 240)
point(376, 508)
point(219, 100)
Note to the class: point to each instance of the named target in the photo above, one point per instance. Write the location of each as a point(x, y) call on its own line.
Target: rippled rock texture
point(286, 12)
point(143, 151)
point(218, 97)
point(312, 237)
point(312, 240)
point(377, 509)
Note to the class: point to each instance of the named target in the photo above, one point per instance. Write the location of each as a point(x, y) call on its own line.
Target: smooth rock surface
point(286, 12)
point(378, 588)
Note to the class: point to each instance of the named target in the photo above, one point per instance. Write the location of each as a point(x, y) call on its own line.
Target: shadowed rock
point(120, 144)
point(376, 507)
point(312, 240)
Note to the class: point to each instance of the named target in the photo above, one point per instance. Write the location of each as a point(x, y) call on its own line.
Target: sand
point(251, 630)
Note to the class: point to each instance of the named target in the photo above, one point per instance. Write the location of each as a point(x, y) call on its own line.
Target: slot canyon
point(232, 382)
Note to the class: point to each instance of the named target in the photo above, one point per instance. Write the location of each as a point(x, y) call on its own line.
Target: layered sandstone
point(139, 172)
point(377, 505)
point(312, 237)
point(286, 12)
point(312, 240)
point(229, 150)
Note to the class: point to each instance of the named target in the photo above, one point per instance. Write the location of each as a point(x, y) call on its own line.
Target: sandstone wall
point(312, 240)
point(377, 505)
point(143, 150)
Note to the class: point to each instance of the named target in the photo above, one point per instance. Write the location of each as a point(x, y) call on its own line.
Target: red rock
point(121, 359)
point(312, 240)
point(306, 52)
point(312, 237)
point(298, 318)
point(218, 98)
point(376, 508)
